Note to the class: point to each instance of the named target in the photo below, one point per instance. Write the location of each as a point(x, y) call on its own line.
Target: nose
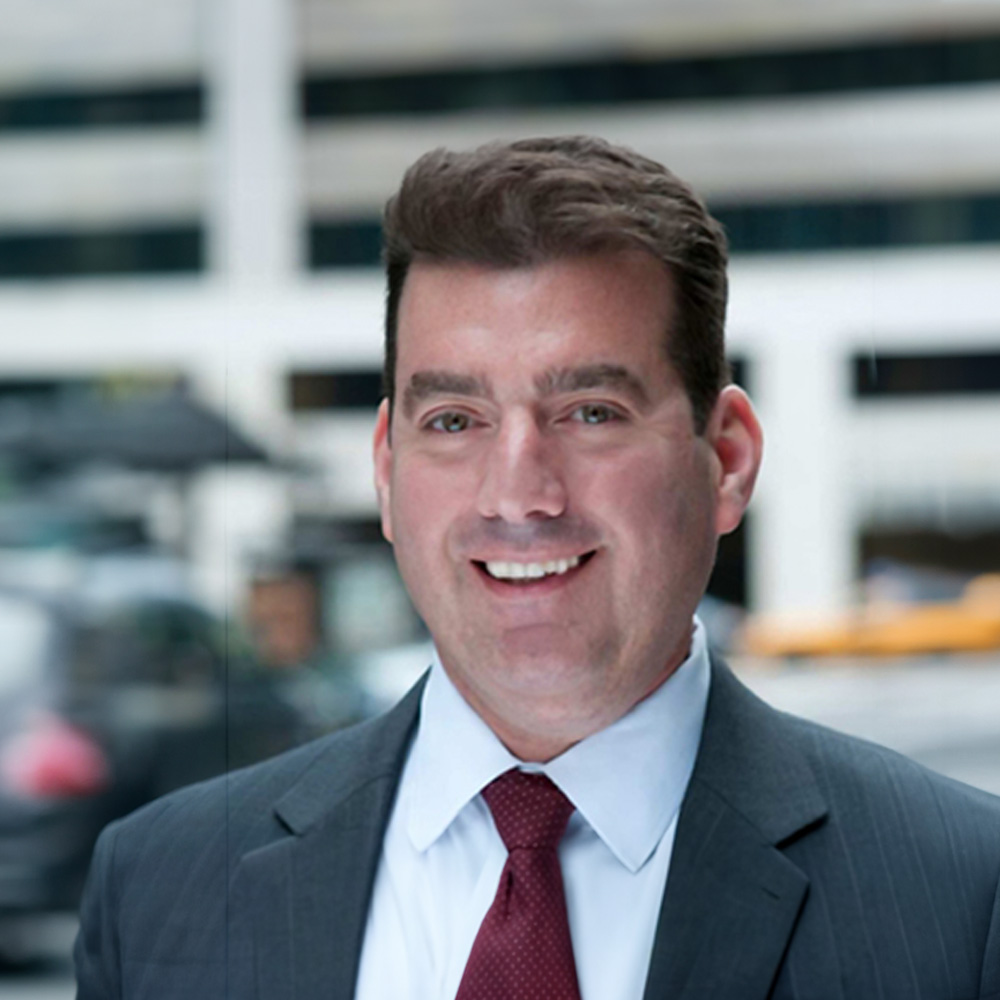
point(522, 478)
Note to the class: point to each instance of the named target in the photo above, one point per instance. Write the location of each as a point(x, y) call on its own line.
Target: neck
point(537, 730)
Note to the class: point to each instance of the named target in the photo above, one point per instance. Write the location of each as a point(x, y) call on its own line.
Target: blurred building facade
point(191, 189)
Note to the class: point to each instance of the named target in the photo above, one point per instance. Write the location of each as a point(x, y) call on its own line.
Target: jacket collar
point(355, 758)
point(299, 904)
point(748, 758)
point(733, 898)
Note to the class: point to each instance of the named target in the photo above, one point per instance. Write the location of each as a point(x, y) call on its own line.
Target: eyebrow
point(597, 376)
point(426, 384)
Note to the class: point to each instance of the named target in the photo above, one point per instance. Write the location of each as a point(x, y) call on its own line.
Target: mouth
point(528, 574)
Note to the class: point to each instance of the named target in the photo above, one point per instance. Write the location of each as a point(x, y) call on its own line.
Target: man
point(575, 802)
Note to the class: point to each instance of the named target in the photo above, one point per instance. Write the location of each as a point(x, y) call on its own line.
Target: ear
point(382, 453)
point(737, 442)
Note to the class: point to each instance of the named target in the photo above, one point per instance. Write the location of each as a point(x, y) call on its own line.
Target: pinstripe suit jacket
point(807, 865)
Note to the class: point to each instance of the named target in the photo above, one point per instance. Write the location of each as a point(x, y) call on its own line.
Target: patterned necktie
point(523, 949)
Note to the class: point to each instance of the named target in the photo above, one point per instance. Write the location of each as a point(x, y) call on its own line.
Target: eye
point(594, 413)
point(450, 423)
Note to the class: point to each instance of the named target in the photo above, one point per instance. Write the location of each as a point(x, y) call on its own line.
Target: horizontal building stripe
point(91, 40)
point(931, 374)
point(805, 148)
point(604, 80)
point(775, 228)
point(344, 243)
point(791, 227)
point(361, 34)
point(99, 42)
point(110, 107)
point(862, 224)
point(322, 391)
point(102, 179)
point(146, 250)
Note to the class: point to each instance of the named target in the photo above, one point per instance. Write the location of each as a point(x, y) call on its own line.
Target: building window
point(174, 104)
point(345, 243)
point(862, 223)
point(621, 79)
point(175, 249)
point(917, 375)
point(309, 392)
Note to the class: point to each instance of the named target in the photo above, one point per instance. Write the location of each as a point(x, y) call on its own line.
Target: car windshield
point(26, 628)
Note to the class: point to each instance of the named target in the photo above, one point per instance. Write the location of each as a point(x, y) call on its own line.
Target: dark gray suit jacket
point(807, 865)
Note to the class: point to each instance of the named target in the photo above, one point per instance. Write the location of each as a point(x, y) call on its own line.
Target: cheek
point(424, 504)
point(663, 513)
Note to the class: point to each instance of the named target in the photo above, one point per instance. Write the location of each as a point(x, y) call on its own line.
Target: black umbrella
point(164, 432)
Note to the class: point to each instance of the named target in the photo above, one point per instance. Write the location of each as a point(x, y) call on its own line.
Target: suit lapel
point(732, 897)
point(299, 905)
point(304, 897)
point(730, 906)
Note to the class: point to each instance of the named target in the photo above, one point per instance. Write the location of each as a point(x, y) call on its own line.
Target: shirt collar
point(627, 780)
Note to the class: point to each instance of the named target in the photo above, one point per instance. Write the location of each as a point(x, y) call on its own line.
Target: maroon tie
point(523, 949)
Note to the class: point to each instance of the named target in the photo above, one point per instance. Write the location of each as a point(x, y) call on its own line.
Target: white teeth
point(530, 571)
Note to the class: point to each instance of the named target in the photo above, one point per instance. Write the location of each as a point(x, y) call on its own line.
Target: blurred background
point(191, 572)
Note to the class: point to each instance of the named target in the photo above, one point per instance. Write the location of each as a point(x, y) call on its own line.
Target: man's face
point(554, 515)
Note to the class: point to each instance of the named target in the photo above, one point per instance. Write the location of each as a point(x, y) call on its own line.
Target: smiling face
point(554, 514)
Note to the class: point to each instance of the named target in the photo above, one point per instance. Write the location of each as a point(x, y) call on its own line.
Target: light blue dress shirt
point(442, 856)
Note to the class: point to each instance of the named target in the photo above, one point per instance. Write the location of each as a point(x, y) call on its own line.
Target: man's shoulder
point(162, 878)
point(862, 786)
point(880, 800)
point(235, 792)
point(241, 804)
point(839, 755)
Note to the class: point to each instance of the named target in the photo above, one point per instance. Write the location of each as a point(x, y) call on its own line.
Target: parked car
point(103, 708)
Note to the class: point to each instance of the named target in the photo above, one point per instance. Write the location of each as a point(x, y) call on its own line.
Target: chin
point(545, 671)
point(535, 643)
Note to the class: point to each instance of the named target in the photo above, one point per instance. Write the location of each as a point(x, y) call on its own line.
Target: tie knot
point(528, 809)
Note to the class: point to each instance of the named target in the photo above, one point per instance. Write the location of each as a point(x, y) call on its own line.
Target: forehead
point(602, 307)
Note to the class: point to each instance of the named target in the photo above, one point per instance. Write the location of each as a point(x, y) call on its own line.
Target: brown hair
point(527, 202)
